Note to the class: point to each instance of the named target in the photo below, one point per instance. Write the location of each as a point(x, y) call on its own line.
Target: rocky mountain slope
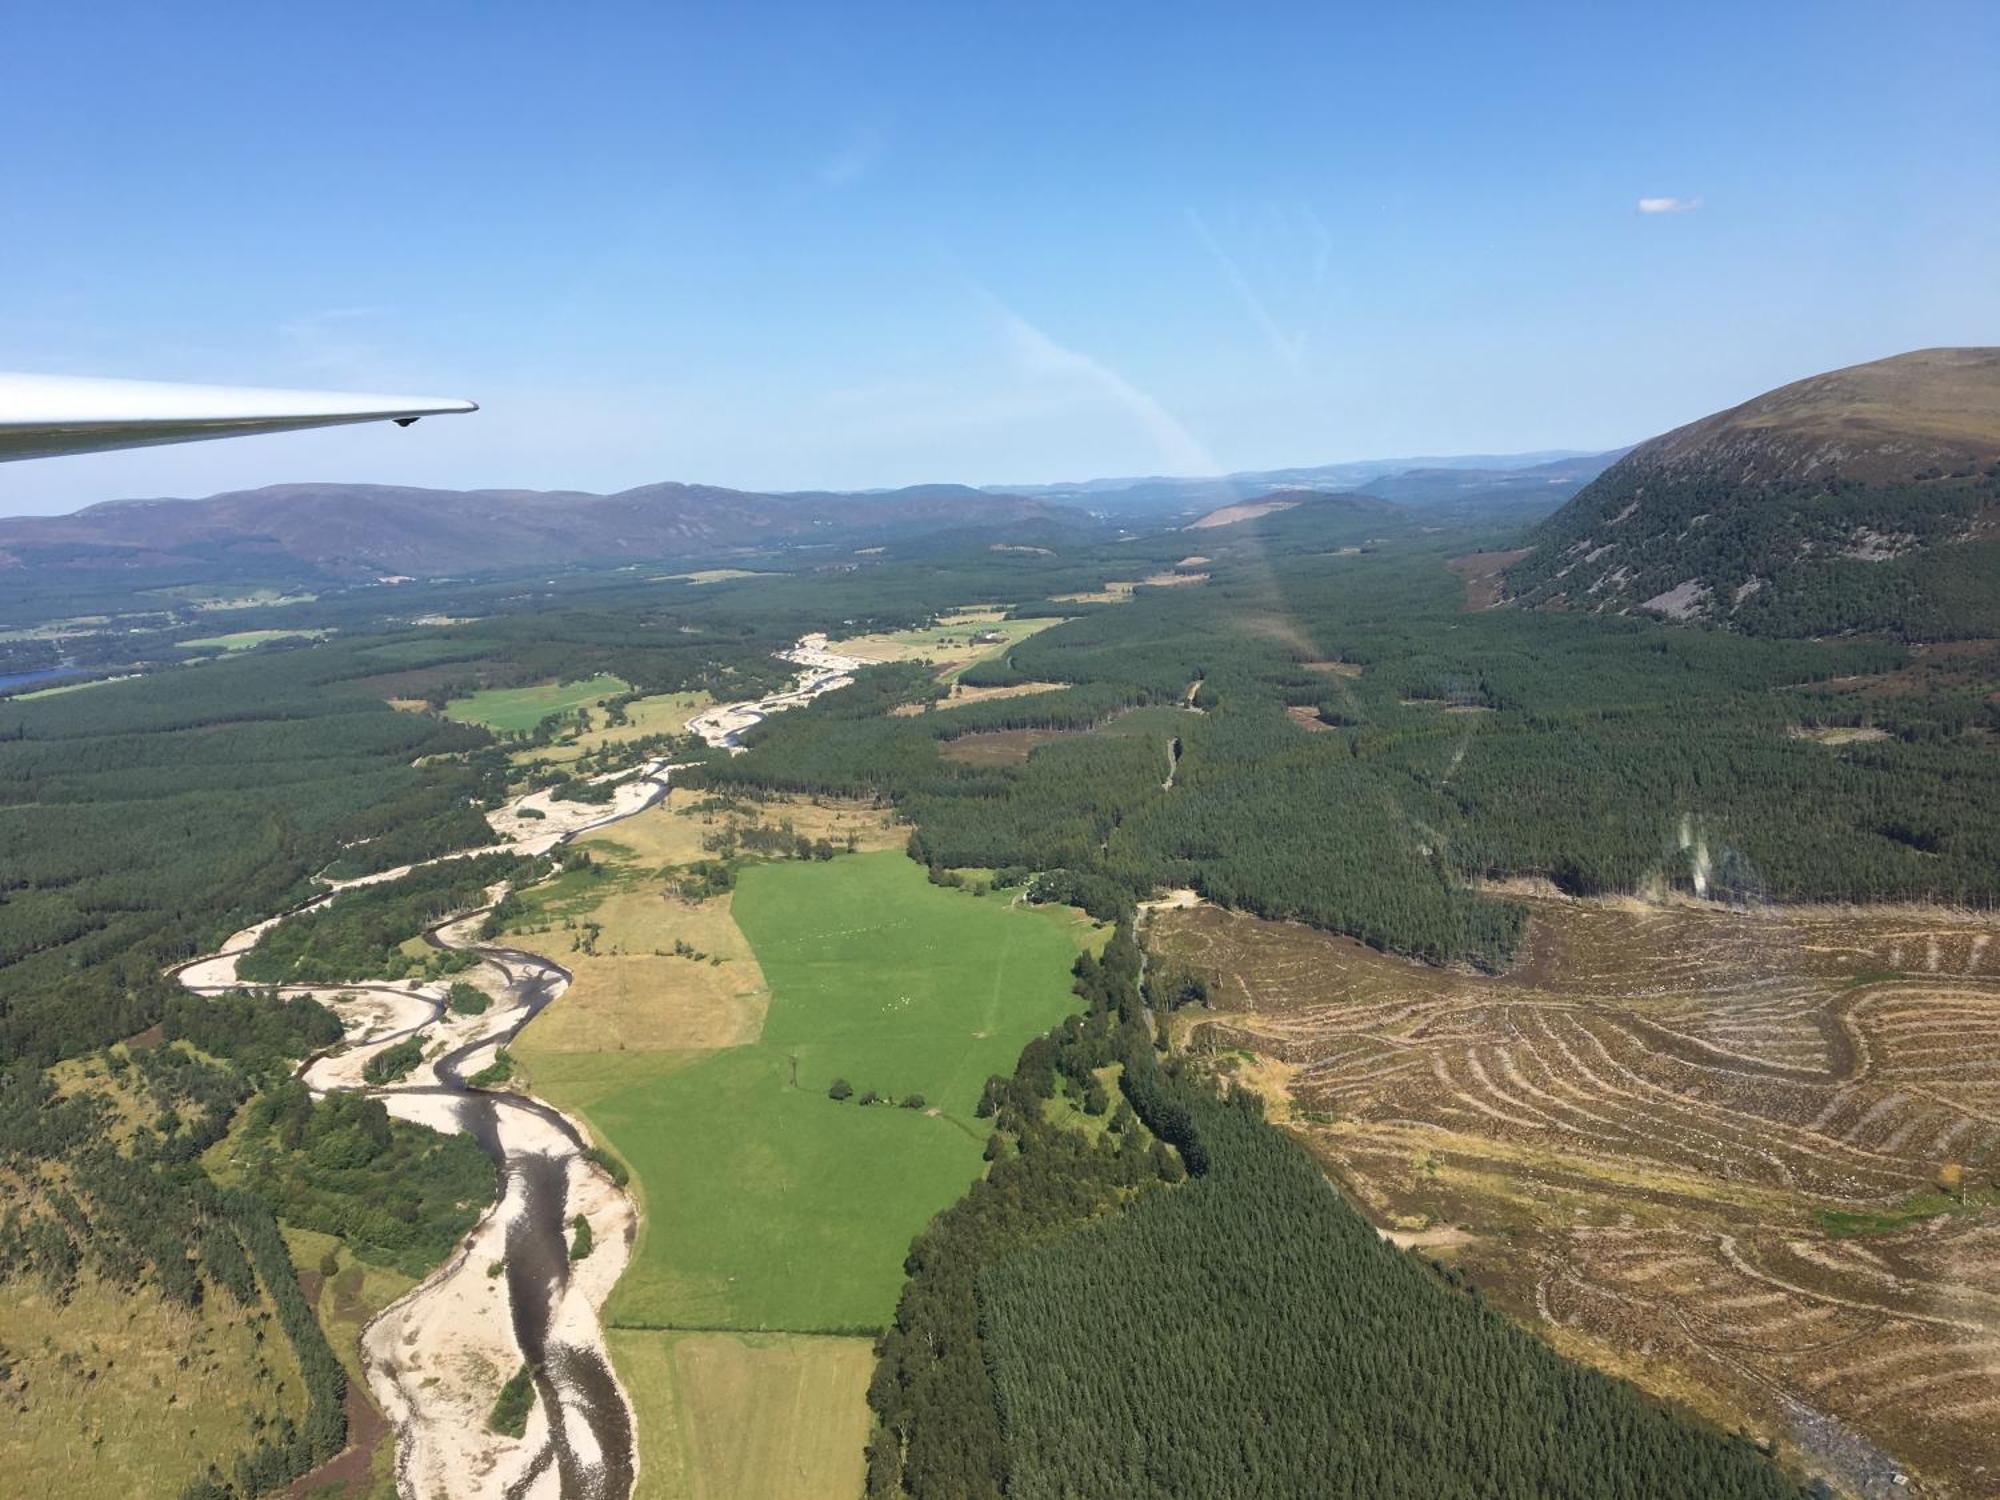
point(1863, 499)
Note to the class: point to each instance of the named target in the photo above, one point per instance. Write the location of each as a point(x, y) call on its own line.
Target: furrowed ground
point(1745, 1157)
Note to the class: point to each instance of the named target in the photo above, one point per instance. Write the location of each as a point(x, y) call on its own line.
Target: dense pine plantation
point(1079, 1326)
point(1443, 748)
point(1250, 1335)
point(142, 822)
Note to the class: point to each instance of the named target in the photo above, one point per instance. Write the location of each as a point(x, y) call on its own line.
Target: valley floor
point(700, 1040)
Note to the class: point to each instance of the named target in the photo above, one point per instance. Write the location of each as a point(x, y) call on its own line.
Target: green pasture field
point(777, 1415)
point(770, 1205)
point(509, 710)
point(244, 640)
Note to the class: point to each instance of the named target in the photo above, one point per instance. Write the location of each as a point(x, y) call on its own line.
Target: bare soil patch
point(1838, 734)
point(1229, 515)
point(1307, 717)
point(961, 695)
point(352, 1470)
point(1333, 668)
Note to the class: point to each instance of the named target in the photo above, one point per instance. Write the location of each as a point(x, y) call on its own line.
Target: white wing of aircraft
point(42, 416)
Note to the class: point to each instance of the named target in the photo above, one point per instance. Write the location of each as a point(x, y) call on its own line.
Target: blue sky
point(851, 245)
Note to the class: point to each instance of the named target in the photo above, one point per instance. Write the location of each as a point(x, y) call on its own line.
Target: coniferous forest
point(1350, 748)
point(1169, 1301)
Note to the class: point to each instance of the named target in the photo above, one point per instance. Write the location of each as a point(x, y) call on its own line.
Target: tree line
point(1078, 1327)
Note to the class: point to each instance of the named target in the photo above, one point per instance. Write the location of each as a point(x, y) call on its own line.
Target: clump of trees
point(841, 1090)
point(509, 1416)
point(393, 1064)
point(360, 934)
point(467, 999)
point(398, 1194)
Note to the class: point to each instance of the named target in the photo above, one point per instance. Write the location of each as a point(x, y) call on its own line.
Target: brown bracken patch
point(1481, 572)
point(1000, 747)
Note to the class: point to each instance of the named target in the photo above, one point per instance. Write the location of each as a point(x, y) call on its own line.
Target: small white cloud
point(1668, 205)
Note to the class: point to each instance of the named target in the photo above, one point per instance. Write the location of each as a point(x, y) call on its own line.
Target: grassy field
point(721, 1415)
point(631, 990)
point(616, 932)
point(770, 1206)
point(664, 713)
point(954, 643)
point(226, 596)
point(66, 687)
point(671, 831)
point(117, 1393)
point(511, 710)
point(244, 640)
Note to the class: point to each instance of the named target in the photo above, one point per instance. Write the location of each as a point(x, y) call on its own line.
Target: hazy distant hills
point(1863, 499)
point(1555, 480)
point(1550, 476)
point(366, 529)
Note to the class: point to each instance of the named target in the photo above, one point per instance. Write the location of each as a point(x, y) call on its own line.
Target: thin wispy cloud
point(1039, 357)
point(1668, 205)
point(856, 158)
point(1289, 346)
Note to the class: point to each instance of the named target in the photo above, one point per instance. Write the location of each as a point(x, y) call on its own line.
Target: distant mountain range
point(1866, 498)
point(358, 530)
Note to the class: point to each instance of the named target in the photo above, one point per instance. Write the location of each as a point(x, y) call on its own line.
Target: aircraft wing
point(42, 416)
